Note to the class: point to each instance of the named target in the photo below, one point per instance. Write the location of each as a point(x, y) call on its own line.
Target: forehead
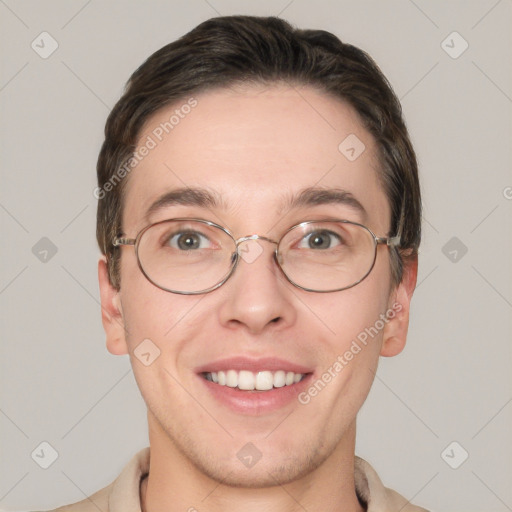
point(253, 148)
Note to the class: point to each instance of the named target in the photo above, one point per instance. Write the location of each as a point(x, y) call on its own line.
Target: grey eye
point(188, 240)
point(320, 239)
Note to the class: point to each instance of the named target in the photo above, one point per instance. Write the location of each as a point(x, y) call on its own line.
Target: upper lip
point(238, 363)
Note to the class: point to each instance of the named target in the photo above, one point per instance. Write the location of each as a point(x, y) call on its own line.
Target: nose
point(257, 295)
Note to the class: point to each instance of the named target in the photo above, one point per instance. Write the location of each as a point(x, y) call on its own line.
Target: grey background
point(452, 382)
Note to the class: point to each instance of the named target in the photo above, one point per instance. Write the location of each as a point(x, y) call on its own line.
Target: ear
point(395, 330)
point(111, 312)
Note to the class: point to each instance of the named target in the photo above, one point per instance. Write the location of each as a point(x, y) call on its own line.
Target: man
point(259, 214)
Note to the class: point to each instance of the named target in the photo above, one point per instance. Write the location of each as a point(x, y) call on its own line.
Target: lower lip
point(256, 403)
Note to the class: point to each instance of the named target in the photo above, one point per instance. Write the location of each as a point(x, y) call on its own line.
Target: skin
point(252, 144)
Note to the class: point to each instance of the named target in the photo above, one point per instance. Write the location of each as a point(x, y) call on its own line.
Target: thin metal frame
point(392, 241)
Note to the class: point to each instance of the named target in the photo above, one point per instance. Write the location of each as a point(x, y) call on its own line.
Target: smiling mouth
point(245, 380)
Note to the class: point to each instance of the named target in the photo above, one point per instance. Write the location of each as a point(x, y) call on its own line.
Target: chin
point(263, 474)
point(242, 463)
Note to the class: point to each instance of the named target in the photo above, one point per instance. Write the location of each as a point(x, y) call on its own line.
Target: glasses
point(193, 256)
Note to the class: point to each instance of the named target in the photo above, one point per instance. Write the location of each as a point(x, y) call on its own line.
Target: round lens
point(327, 255)
point(185, 256)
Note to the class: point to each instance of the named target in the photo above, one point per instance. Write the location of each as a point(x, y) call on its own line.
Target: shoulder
point(121, 495)
point(375, 496)
point(93, 503)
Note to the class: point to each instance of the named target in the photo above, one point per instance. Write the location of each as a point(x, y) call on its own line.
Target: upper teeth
point(260, 381)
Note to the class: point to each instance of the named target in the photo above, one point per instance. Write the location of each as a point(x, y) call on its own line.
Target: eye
point(320, 239)
point(188, 240)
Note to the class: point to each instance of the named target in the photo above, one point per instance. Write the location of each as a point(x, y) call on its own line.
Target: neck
point(175, 484)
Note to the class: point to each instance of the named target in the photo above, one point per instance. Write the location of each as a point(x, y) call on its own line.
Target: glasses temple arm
point(394, 241)
point(123, 241)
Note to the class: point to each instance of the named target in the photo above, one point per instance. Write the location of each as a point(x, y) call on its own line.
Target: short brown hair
point(227, 50)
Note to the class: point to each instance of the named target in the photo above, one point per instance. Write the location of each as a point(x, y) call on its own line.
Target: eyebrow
point(185, 196)
point(204, 198)
point(314, 196)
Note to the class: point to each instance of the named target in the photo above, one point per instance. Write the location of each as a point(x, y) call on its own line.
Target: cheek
point(355, 328)
point(158, 327)
point(356, 312)
point(149, 312)
point(158, 315)
point(146, 308)
point(349, 355)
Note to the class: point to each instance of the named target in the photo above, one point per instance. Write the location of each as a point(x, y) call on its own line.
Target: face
point(254, 148)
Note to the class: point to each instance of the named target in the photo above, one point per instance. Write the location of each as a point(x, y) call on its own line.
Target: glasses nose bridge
point(248, 238)
point(254, 237)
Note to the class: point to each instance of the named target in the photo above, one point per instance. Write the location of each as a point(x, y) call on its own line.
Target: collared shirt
point(123, 494)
